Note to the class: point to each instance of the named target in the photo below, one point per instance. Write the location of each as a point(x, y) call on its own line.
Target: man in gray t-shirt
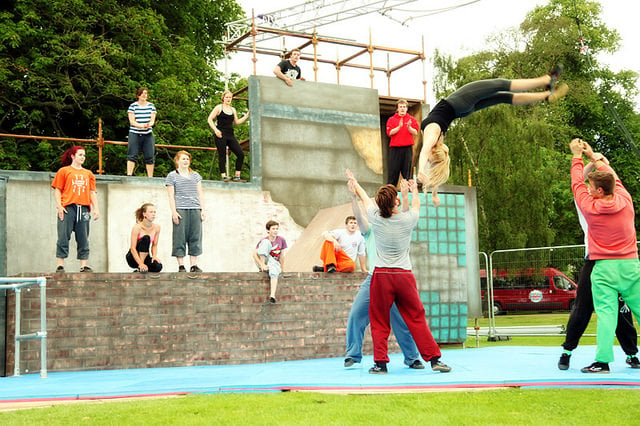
point(392, 279)
point(393, 237)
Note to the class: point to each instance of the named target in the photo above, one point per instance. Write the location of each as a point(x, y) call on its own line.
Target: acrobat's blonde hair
point(439, 167)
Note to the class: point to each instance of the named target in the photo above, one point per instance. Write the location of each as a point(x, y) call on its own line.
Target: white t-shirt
point(352, 244)
point(585, 230)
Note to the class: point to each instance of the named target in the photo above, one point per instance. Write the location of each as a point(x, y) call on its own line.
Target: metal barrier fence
point(567, 259)
point(17, 284)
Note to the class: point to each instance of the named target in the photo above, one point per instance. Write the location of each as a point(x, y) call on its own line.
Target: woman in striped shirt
point(142, 117)
point(185, 199)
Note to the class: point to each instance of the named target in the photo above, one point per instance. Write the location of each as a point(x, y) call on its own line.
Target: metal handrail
point(100, 142)
point(17, 286)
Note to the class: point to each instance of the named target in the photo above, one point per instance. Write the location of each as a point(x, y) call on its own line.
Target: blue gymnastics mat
point(505, 366)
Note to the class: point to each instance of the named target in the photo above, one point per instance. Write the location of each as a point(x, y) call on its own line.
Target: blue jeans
point(359, 320)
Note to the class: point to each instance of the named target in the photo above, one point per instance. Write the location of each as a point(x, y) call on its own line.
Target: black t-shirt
point(291, 71)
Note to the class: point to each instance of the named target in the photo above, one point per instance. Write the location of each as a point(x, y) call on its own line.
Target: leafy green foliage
point(518, 156)
point(66, 63)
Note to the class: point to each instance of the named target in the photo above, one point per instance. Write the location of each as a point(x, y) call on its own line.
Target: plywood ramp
point(306, 251)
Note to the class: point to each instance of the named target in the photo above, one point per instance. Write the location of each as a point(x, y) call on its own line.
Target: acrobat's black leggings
point(231, 142)
point(480, 94)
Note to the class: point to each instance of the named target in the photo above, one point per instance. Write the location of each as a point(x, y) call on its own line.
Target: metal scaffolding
point(312, 14)
point(299, 24)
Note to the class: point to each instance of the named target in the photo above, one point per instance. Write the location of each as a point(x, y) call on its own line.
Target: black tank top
point(225, 123)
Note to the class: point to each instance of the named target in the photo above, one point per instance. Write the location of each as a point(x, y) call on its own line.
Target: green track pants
point(609, 277)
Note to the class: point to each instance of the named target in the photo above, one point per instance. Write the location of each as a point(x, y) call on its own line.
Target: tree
point(66, 63)
point(518, 157)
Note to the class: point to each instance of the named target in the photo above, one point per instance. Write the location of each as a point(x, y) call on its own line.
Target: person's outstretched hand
point(577, 147)
point(350, 175)
point(435, 199)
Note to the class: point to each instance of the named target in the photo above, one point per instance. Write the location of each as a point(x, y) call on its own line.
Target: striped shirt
point(185, 189)
point(393, 237)
point(142, 115)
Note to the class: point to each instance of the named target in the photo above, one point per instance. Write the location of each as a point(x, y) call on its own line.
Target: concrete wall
point(305, 137)
point(235, 219)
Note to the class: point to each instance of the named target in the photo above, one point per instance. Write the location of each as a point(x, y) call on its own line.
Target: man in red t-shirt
point(401, 128)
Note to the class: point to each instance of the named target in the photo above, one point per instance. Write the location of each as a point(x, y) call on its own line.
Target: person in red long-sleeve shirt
point(401, 128)
point(608, 210)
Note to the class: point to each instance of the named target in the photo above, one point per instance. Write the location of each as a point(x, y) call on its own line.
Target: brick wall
point(111, 321)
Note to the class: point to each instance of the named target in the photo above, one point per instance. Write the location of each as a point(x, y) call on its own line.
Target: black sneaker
point(555, 73)
point(563, 363)
point(331, 268)
point(60, 268)
point(597, 367)
point(272, 300)
point(440, 366)
point(633, 361)
point(417, 365)
point(318, 268)
point(378, 368)
point(181, 268)
point(195, 268)
point(86, 269)
point(348, 362)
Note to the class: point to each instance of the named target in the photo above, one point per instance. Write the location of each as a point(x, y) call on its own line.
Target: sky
point(458, 32)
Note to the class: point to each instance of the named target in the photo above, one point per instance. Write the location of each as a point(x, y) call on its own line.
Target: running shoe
point(633, 362)
point(378, 368)
point(417, 365)
point(440, 366)
point(555, 73)
point(597, 367)
point(563, 363)
point(558, 93)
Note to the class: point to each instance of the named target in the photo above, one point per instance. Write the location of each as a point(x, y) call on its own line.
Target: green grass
point(511, 406)
point(500, 407)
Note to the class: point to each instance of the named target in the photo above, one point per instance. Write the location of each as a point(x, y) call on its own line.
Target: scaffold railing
point(17, 285)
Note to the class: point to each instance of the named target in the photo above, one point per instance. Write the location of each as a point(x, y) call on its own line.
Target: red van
point(530, 289)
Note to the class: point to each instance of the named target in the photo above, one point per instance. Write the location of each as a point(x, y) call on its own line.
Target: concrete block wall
point(304, 137)
point(235, 218)
point(116, 321)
